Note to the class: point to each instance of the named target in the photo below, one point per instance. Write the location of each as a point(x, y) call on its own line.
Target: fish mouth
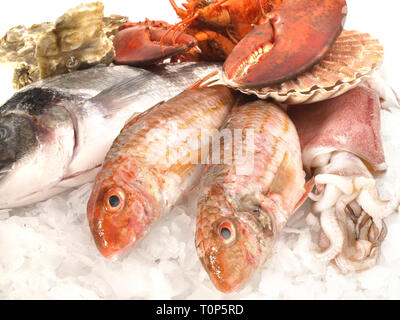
point(227, 268)
point(215, 278)
point(227, 281)
point(230, 267)
point(110, 251)
point(117, 254)
point(113, 236)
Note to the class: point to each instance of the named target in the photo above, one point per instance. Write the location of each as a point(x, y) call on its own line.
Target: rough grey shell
point(79, 39)
point(353, 57)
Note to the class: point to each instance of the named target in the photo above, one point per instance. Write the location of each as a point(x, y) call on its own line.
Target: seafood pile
point(256, 130)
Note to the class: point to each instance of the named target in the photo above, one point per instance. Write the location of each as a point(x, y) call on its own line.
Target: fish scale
point(139, 170)
point(253, 206)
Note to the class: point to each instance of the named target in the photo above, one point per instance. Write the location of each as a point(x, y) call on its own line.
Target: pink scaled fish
point(245, 201)
point(150, 166)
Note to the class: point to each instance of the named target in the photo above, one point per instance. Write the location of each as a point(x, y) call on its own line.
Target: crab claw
point(139, 44)
point(292, 38)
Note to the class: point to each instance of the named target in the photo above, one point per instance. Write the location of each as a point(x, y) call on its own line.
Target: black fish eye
point(3, 133)
point(226, 233)
point(114, 201)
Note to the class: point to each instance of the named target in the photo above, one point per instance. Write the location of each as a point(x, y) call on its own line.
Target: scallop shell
point(353, 57)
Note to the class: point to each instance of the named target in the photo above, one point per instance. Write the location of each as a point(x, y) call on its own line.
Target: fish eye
point(114, 199)
point(227, 232)
point(3, 133)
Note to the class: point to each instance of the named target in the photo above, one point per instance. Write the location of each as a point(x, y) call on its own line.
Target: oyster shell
point(112, 24)
point(79, 39)
point(353, 57)
point(18, 47)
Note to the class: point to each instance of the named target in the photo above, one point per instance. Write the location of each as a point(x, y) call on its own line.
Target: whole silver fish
point(55, 133)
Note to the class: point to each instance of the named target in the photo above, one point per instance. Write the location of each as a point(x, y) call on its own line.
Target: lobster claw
point(138, 44)
point(292, 38)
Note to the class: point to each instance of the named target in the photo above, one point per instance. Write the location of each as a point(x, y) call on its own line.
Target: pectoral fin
point(309, 186)
point(284, 177)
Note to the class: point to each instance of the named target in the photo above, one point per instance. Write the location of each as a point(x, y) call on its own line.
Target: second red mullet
point(246, 202)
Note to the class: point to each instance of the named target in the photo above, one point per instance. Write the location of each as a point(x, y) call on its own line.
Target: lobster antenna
point(187, 22)
point(168, 31)
point(180, 33)
point(176, 27)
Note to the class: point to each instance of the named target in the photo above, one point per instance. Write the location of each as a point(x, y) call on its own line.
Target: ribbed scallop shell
point(353, 57)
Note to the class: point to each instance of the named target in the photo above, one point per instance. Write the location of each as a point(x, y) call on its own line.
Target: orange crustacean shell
point(353, 57)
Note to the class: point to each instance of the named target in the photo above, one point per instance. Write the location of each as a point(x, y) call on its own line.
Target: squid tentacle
point(347, 265)
point(351, 213)
point(332, 229)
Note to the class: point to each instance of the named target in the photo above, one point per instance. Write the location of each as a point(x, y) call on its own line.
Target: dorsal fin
point(137, 116)
point(203, 82)
point(122, 94)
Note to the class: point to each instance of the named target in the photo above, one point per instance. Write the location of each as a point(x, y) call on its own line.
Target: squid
point(342, 149)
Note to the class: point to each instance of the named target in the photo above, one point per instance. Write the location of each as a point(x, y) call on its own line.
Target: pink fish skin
point(240, 213)
point(140, 180)
point(350, 122)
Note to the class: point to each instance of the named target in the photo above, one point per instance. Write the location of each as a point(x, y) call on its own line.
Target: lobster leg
point(292, 38)
point(139, 44)
point(214, 45)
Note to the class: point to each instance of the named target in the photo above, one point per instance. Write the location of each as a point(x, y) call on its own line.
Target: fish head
point(36, 145)
point(232, 247)
point(118, 213)
point(14, 129)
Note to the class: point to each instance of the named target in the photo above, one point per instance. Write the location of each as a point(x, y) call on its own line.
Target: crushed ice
point(47, 251)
